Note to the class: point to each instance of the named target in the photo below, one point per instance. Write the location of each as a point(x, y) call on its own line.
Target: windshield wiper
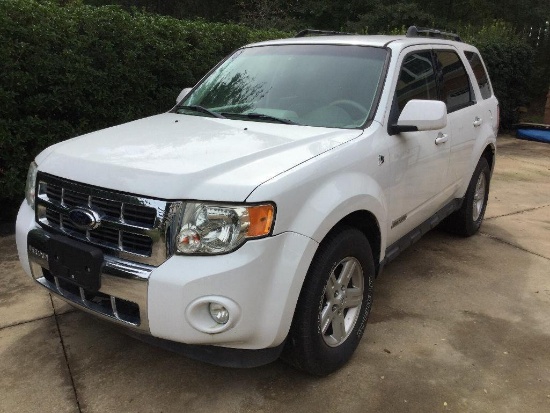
point(260, 116)
point(254, 115)
point(202, 109)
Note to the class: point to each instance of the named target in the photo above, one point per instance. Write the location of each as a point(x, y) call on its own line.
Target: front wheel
point(467, 220)
point(334, 304)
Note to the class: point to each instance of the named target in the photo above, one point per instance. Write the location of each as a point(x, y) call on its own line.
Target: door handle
point(441, 138)
point(477, 121)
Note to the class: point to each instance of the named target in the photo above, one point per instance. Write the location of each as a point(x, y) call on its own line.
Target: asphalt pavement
point(457, 324)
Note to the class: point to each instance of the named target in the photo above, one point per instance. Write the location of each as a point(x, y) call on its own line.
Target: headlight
point(30, 187)
point(217, 229)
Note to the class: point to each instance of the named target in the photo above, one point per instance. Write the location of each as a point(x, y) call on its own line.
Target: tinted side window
point(416, 79)
point(455, 84)
point(480, 74)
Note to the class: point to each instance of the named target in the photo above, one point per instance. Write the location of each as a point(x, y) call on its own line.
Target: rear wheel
point(334, 304)
point(467, 220)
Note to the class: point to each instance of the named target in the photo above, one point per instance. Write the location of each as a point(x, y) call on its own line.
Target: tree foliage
point(336, 14)
point(382, 18)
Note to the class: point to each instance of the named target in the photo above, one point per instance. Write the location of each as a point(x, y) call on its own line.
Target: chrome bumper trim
point(120, 280)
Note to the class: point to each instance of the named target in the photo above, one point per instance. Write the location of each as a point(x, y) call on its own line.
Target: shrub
point(69, 70)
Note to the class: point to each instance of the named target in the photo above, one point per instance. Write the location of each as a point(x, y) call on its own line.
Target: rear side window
point(416, 79)
point(480, 74)
point(455, 83)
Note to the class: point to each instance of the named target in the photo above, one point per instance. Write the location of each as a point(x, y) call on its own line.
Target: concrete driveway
point(457, 325)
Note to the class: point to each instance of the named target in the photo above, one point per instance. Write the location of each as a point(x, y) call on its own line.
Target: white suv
point(252, 218)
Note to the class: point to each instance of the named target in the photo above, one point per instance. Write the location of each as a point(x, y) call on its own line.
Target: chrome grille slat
point(113, 306)
point(97, 302)
point(132, 227)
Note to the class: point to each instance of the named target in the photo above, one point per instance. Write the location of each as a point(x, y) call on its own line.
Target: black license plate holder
point(75, 262)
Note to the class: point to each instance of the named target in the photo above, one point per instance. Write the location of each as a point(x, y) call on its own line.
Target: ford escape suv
point(250, 221)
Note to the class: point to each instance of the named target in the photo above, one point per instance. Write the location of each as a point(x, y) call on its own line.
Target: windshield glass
point(317, 85)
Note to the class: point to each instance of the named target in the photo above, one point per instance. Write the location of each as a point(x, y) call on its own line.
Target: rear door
point(464, 116)
point(486, 117)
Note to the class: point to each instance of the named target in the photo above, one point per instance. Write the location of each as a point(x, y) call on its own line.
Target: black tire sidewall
point(320, 358)
point(473, 226)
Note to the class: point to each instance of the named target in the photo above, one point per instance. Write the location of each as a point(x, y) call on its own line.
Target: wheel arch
point(366, 222)
point(489, 154)
point(483, 149)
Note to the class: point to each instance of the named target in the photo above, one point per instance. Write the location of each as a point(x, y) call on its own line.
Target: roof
point(399, 41)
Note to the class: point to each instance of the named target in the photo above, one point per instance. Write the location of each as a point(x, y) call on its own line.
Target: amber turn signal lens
point(261, 220)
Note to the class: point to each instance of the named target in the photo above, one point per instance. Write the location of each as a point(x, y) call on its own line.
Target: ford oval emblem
point(84, 218)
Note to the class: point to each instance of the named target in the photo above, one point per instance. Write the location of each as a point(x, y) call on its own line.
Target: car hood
point(174, 156)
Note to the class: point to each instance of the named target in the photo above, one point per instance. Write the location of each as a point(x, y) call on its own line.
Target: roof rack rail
point(306, 32)
point(414, 31)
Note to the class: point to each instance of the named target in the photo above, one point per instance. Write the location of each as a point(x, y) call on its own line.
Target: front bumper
point(259, 284)
point(122, 297)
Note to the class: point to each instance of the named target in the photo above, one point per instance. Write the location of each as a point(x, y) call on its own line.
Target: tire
point(467, 220)
point(334, 304)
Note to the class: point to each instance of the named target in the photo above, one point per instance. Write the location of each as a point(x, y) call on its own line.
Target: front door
point(419, 160)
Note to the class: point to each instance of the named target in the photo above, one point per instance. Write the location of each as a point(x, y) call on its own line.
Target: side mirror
point(182, 94)
point(421, 115)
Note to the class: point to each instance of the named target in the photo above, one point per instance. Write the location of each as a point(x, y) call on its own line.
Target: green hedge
point(65, 71)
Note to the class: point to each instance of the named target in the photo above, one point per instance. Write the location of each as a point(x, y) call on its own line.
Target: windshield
point(332, 86)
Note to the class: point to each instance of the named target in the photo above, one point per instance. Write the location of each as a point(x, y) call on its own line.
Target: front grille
point(131, 227)
point(133, 214)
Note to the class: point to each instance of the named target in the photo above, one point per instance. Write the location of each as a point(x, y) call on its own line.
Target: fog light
point(218, 313)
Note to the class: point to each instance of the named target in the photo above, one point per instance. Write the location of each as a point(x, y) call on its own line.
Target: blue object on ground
point(538, 135)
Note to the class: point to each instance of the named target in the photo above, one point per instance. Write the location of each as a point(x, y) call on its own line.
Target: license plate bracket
point(75, 262)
